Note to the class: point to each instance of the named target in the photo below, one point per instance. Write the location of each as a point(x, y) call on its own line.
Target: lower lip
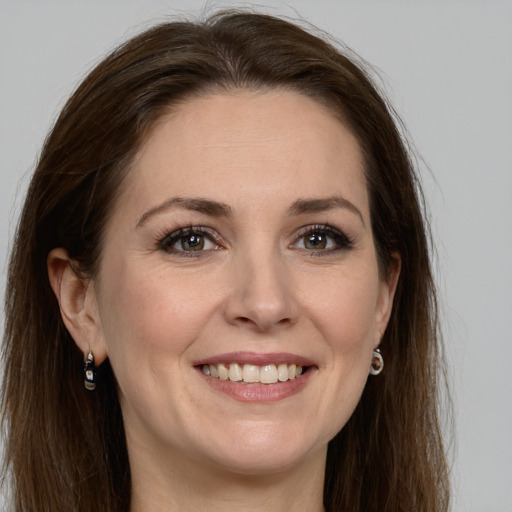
point(256, 392)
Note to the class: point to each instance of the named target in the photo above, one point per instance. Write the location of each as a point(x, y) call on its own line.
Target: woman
point(222, 240)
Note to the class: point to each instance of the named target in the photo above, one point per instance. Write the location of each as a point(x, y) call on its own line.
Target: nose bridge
point(262, 297)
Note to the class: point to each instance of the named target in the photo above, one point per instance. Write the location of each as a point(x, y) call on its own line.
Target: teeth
point(235, 372)
point(268, 374)
point(251, 373)
point(282, 372)
point(223, 372)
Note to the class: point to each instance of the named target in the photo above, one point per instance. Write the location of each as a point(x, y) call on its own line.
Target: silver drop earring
point(377, 362)
point(89, 372)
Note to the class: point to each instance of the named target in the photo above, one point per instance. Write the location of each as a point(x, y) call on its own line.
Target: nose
point(262, 297)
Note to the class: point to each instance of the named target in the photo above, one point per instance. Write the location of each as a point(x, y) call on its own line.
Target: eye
point(188, 240)
point(322, 238)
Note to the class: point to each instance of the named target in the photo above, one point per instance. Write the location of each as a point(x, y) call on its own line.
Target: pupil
point(193, 240)
point(316, 241)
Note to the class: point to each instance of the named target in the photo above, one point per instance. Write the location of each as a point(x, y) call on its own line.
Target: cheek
point(343, 309)
point(346, 319)
point(149, 313)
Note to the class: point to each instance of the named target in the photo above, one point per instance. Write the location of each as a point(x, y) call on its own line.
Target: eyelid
point(168, 238)
point(343, 241)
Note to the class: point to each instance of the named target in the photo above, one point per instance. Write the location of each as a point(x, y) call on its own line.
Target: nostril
point(262, 324)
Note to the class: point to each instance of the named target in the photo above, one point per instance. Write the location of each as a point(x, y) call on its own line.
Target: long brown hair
point(65, 447)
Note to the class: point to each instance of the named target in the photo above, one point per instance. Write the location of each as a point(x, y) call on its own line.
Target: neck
point(189, 486)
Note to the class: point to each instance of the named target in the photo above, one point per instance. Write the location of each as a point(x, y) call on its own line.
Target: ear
point(78, 305)
point(387, 288)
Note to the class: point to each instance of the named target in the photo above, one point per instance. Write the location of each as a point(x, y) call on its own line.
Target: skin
point(155, 309)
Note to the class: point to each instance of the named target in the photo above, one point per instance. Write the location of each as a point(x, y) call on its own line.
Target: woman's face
point(241, 247)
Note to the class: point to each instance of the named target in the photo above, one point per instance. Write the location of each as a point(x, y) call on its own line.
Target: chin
point(261, 464)
point(268, 449)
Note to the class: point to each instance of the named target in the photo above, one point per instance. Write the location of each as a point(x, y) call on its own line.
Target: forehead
point(272, 145)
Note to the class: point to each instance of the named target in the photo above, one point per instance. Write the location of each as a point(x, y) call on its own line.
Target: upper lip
point(256, 359)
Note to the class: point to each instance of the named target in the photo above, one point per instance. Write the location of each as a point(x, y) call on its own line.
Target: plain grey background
point(447, 67)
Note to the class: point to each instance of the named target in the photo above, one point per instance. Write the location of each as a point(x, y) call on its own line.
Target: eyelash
point(167, 240)
point(341, 240)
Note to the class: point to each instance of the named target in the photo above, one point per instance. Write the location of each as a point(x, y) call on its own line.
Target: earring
point(89, 372)
point(377, 362)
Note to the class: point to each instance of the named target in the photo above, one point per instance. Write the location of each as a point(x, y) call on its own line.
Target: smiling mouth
point(252, 374)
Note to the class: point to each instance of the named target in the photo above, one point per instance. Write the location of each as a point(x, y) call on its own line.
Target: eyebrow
point(218, 209)
point(323, 204)
point(195, 204)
